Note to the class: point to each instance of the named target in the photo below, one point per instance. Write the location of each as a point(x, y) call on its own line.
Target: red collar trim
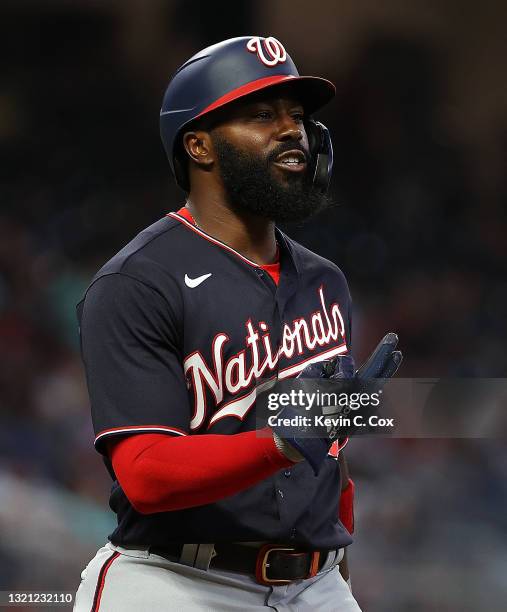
point(184, 212)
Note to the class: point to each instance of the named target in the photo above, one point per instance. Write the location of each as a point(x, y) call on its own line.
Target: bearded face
point(256, 183)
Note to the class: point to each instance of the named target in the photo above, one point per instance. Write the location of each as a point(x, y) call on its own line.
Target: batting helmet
point(230, 70)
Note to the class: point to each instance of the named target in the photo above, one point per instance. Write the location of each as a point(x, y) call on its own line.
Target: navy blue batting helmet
point(230, 70)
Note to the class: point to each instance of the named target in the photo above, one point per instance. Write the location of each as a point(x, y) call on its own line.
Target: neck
point(250, 235)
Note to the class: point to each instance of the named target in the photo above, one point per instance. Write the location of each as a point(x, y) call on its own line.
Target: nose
point(289, 129)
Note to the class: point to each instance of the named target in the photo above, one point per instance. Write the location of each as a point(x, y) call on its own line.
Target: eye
point(263, 115)
point(298, 117)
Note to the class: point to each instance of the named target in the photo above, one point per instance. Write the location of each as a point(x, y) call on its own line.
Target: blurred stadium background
point(420, 133)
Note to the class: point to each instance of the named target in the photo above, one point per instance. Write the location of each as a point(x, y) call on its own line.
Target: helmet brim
point(313, 92)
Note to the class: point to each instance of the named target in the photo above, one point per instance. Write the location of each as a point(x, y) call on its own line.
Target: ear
point(198, 147)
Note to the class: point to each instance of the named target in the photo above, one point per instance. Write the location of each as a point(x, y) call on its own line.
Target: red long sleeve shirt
point(159, 473)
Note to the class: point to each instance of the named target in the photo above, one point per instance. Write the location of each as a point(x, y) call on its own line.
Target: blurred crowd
point(419, 233)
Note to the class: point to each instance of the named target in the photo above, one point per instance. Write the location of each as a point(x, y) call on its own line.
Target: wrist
point(287, 449)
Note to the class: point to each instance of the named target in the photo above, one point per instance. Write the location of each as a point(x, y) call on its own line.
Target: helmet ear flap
point(321, 151)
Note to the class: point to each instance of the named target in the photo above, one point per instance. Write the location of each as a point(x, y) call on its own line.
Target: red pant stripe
point(101, 580)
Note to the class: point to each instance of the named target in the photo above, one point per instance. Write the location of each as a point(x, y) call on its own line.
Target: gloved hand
point(381, 365)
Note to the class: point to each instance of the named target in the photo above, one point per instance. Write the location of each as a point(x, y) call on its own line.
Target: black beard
point(251, 186)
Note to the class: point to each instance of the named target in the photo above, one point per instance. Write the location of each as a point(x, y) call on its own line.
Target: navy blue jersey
point(175, 330)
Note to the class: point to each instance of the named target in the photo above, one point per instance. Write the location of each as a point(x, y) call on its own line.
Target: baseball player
point(213, 513)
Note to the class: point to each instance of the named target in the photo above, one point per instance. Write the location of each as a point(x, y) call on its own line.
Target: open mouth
point(293, 161)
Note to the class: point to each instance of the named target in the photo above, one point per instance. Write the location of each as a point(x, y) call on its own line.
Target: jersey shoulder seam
point(126, 274)
point(168, 229)
point(131, 276)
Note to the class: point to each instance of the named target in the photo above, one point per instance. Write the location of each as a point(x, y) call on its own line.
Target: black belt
point(270, 563)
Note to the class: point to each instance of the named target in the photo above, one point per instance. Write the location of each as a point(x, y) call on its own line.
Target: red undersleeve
point(347, 506)
point(159, 473)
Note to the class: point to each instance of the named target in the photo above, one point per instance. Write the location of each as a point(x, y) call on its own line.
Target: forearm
point(159, 473)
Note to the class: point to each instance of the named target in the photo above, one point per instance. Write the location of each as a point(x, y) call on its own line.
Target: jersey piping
point(139, 429)
point(209, 238)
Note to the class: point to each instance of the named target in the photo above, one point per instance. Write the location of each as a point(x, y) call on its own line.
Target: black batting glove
point(379, 367)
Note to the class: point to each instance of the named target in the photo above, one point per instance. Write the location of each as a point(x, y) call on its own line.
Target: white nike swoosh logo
point(195, 282)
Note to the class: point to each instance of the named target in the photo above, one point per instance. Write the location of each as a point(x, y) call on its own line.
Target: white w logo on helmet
point(270, 53)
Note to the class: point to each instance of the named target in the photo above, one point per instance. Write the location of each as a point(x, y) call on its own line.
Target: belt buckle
point(262, 564)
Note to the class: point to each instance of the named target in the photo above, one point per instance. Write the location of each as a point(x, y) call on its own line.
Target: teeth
point(291, 160)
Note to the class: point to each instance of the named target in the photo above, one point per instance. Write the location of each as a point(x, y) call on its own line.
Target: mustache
point(293, 145)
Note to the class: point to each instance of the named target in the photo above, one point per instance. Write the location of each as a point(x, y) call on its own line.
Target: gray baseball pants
point(126, 580)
